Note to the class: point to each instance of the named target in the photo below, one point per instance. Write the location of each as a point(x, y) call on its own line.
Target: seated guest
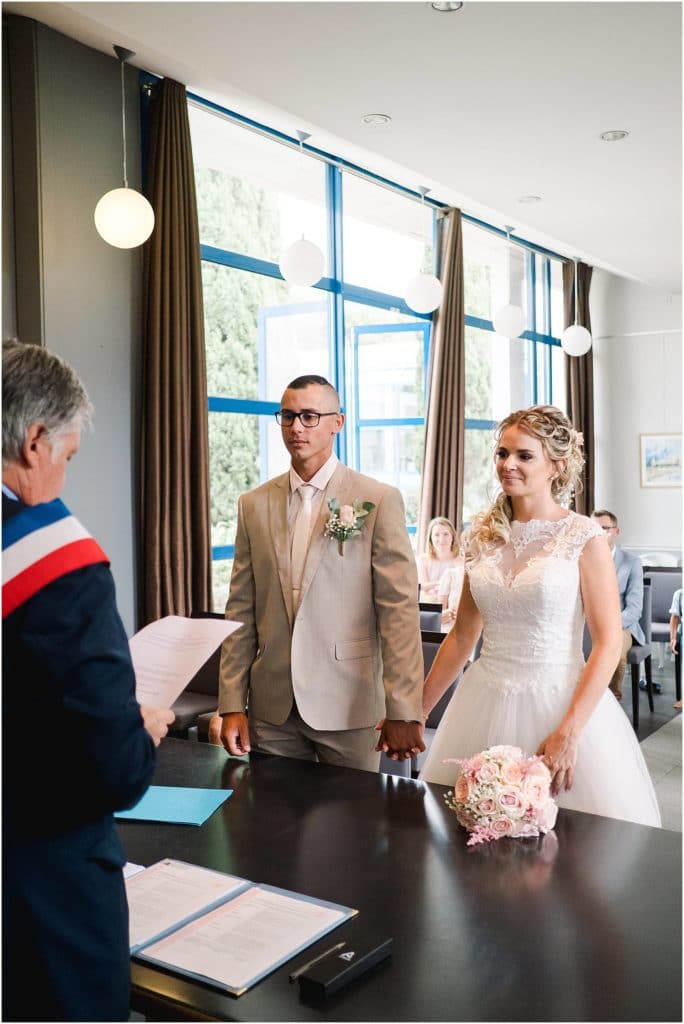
point(68, 684)
point(630, 577)
point(676, 635)
point(441, 554)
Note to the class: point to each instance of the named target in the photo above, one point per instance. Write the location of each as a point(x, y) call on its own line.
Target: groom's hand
point(400, 740)
point(235, 733)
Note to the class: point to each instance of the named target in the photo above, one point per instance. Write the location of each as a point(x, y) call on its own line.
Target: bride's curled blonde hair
point(562, 444)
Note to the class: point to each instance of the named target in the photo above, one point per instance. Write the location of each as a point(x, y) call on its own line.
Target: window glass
point(220, 582)
point(254, 196)
point(261, 332)
point(479, 480)
point(387, 237)
point(557, 315)
point(395, 455)
point(558, 362)
point(494, 273)
point(497, 374)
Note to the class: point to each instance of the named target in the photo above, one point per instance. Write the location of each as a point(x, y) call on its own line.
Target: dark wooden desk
point(588, 928)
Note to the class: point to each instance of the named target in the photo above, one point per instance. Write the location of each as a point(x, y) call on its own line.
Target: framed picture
point(661, 460)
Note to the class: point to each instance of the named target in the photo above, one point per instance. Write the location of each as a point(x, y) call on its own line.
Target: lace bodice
point(528, 593)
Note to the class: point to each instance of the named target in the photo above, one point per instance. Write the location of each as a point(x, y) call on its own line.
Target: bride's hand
point(559, 751)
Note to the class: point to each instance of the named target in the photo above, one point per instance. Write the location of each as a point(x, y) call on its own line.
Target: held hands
point(156, 721)
point(235, 733)
point(559, 751)
point(400, 740)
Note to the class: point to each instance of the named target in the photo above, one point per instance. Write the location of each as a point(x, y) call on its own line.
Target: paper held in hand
point(167, 654)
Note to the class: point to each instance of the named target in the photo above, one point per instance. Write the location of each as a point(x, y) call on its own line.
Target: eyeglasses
point(286, 417)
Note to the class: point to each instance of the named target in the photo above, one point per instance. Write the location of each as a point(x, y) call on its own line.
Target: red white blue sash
point(40, 544)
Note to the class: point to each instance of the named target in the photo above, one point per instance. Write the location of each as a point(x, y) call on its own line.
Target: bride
point(534, 571)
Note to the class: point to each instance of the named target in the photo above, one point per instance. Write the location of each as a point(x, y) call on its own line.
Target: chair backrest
point(665, 579)
point(206, 678)
point(430, 616)
point(645, 621)
point(430, 642)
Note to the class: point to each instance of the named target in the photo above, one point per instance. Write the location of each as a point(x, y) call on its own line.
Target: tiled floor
point(663, 753)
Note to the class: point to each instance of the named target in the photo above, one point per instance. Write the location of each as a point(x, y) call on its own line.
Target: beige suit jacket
point(352, 654)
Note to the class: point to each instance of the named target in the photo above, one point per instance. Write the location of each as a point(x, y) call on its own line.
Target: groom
point(331, 638)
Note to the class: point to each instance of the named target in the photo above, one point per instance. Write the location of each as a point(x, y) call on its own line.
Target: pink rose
point(506, 752)
point(501, 827)
point(486, 806)
point(511, 772)
point(487, 772)
point(537, 769)
point(511, 803)
point(473, 764)
point(347, 515)
point(546, 815)
point(536, 790)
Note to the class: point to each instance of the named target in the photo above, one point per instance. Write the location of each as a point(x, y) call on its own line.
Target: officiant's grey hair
point(38, 387)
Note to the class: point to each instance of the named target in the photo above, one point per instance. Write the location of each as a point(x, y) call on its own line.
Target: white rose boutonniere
point(346, 521)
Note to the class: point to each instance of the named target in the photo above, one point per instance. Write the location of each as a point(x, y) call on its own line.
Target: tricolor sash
point(40, 544)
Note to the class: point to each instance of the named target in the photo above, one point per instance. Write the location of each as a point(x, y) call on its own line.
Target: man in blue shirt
point(630, 577)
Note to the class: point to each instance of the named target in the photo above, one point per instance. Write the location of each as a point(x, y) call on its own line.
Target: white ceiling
point(494, 102)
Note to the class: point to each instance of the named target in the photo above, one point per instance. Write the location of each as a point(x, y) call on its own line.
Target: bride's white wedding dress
point(528, 593)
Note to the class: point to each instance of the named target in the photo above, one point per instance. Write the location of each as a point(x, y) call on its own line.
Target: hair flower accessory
point(345, 521)
point(502, 792)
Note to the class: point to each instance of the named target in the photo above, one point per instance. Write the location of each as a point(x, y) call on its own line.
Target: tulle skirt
point(611, 777)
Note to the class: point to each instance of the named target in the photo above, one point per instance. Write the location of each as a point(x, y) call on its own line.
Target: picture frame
point(660, 460)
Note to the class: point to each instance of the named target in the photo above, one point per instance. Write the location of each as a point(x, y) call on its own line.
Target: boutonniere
point(346, 521)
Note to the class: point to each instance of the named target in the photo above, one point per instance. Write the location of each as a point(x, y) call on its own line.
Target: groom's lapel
point(277, 515)
point(338, 487)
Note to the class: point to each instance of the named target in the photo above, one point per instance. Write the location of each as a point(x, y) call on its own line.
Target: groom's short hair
point(307, 379)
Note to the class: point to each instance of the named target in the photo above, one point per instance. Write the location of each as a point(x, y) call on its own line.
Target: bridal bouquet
point(502, 792)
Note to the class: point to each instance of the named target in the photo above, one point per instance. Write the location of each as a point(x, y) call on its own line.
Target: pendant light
point(576, 340)
point(123, 217)
point(509, 321)
point(423, 292)
point(302, 262)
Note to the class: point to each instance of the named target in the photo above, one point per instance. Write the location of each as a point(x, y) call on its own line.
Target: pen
point(310, 963)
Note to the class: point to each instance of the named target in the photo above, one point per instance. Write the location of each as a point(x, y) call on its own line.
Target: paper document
point(172, 891)
point(168, 653)
point(130, 869)
point(239, 942)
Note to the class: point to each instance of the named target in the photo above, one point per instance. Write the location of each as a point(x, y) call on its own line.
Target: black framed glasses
point(286, 417)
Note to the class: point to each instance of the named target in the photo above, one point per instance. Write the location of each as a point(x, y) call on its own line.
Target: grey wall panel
point(92, 291)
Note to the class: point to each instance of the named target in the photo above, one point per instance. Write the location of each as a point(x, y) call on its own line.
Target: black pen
point(310, 963)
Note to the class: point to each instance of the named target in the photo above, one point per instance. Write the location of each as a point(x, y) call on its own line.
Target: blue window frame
point(538, 336)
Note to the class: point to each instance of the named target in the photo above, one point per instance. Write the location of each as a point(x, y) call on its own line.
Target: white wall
point(638, 390)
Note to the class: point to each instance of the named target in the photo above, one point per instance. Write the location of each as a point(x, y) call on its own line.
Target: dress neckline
point(542, 522)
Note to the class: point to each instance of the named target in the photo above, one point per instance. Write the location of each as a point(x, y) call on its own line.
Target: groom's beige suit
point(351, 654)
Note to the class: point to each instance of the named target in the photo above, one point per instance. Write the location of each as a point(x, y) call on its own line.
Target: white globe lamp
point(302, 263)
point(423, 293)
point(576, 340)
point(509, 321)
point(124, 218)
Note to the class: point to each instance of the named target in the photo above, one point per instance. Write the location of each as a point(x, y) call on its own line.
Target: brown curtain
point(442, 492)
point(175, 542)
point(579, 379)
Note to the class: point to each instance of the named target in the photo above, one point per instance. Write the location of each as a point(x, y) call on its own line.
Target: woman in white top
point(441, 554)
point(534, 571)
point(449, 592)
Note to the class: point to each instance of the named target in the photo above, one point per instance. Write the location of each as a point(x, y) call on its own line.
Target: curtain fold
point(579, 379)
point(443, 452)
point(175, 534)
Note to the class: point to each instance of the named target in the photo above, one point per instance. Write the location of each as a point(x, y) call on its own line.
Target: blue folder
point(176, 805)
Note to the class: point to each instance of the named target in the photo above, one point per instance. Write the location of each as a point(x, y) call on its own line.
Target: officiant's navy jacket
point(74, 750)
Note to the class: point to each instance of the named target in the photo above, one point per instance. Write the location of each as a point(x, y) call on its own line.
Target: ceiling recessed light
point(613, 136)
point(530, 199)
point(446, 7)
point(376, 119)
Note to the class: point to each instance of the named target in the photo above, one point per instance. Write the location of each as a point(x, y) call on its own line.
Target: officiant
point(76, 744)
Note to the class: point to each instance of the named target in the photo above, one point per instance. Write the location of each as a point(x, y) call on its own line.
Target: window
point(256, 196)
